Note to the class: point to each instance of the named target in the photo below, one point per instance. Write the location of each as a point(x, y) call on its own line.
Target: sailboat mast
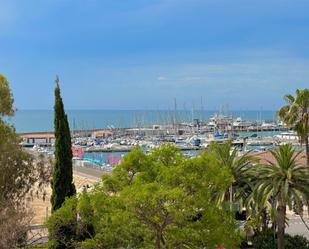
point(175, 116)
point(202, 111)
point(193, 130)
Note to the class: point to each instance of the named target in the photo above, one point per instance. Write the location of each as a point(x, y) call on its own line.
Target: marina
point(103, 149)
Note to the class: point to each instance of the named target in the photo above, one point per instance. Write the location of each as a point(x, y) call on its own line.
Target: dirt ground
point(41, 209)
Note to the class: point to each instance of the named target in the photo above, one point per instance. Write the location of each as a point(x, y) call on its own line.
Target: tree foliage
point(62, 181)
point(15, 164)
point(159, 200)
point(296, 114)
point(240, 167)
point(17, 176)
point(284, 183)
point(6, 100)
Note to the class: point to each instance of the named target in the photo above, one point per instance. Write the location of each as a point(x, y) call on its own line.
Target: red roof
point(37, 135)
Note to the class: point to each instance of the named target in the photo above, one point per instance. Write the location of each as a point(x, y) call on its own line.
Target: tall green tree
point(17, 175)
point(296, 115)
point(62, 181)
point(284, 182)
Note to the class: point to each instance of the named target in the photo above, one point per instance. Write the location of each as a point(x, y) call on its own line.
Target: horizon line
point(171, 110)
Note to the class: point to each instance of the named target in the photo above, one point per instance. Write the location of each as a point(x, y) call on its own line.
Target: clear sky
point(141, 54)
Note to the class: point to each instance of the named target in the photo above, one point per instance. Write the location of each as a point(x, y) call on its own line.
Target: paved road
point(296, 226)
point(90, 173)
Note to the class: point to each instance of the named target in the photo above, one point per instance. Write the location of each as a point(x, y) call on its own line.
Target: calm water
point(42, 120)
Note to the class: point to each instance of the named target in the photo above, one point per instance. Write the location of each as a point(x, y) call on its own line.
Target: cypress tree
point(62, 182)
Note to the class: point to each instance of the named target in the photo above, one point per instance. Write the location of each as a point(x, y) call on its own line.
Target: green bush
point(296, 242)
point(71, 223)
point(267, 241)
point(62, 226)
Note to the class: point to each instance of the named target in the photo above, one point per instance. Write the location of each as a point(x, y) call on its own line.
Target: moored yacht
point(289, 135)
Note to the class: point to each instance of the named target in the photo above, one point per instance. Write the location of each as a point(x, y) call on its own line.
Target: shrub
point(296, 242)
point(62, 226)
point(267, 241)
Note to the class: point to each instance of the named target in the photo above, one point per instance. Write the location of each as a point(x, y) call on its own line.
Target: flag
point(110, 159)
point(115, 160)
point(80, 152)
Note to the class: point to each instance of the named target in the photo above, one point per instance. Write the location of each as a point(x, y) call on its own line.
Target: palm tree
point(296, 115)
point(283, 181)
point(239, 166)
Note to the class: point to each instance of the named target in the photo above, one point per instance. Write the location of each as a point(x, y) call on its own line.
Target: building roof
point(37, 135)
point(51, 134)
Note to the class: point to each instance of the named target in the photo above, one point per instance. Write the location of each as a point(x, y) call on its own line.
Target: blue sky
point(141, 54)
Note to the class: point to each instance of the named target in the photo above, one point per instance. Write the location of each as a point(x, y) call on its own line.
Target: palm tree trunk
point(281, 223)
point(264, 220)
point(307, 150)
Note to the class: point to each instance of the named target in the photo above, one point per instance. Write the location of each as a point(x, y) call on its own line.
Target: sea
point(42, 120)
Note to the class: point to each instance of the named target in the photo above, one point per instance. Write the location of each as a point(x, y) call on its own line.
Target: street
point(296, 226)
